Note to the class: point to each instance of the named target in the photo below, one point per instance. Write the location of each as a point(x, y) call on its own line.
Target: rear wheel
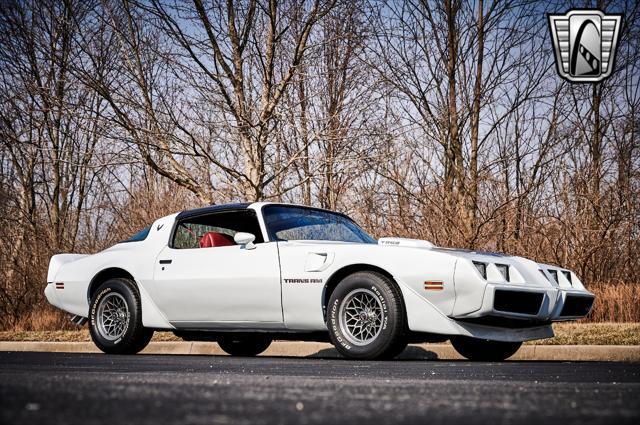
point(115, 318)
point(366, 318)
point(244, 346)
point(484, 349)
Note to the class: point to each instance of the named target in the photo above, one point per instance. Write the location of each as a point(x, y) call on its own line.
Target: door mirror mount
point(245, 240)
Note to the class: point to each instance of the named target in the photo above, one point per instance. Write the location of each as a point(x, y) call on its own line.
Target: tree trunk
point(456, 168)
point(472, 195)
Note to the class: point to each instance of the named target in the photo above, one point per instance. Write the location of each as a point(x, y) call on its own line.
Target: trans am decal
point(302, 280)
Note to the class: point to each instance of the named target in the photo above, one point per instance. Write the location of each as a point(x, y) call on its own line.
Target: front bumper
point(573, 304)
point(528, 305)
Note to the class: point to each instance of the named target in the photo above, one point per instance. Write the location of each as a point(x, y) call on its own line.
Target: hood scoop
point(414, 243)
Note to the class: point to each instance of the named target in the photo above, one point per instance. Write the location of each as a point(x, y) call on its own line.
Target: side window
point(215, 230)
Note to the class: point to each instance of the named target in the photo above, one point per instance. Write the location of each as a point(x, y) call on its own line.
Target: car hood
point(418, 243)
point(469, 254)
point(529, 269)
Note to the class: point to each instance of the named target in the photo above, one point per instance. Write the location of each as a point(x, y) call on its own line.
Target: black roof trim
point(211, 209)
point(279, 204)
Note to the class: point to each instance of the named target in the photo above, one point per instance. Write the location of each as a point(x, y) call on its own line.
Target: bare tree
point(49, 129)
point(429, 52)
point(436, 119)
point(236, 59)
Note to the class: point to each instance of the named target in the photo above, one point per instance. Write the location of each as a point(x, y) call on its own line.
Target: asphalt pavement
point(64, 388)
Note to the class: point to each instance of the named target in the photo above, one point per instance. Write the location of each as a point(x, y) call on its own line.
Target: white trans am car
point(245, 274)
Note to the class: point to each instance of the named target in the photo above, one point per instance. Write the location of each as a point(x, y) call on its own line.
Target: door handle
point(165, 261)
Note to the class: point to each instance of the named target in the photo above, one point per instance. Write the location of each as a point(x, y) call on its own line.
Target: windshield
point(285, 223)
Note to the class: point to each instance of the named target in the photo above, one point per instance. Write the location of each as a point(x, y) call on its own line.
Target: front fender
point(423, 316)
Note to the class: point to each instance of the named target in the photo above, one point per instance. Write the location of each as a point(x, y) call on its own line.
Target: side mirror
point(245, 240)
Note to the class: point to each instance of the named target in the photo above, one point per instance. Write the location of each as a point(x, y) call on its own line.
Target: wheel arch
point(152, 317)
point(341, 273)
point(106, 274)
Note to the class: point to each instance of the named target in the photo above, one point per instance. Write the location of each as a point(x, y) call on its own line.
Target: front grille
point(575, 305)
point(517, 302)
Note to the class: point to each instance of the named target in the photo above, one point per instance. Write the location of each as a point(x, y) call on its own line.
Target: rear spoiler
point(57, 261)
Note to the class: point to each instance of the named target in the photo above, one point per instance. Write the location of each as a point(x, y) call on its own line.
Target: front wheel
point(115, 318)
point(244, 346)
point(366, 318)
point(483, 349)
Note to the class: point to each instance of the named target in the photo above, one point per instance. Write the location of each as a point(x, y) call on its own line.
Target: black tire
point(484, 349)
point(244, 346)
point(133, 337)
point(385, 322)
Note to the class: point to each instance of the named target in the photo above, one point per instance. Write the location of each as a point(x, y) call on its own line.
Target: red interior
point(214, 239)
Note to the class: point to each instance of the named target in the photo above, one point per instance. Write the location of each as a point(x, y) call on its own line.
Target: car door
point(219, 284)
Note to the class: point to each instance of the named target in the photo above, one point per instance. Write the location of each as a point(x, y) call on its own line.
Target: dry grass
point(45, 319)
point(47, 336)
point(566, 334)
point(615, 302)
point(581, 333)
point(81, 335)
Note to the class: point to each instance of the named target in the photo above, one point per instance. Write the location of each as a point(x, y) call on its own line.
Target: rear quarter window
point(140, 236)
